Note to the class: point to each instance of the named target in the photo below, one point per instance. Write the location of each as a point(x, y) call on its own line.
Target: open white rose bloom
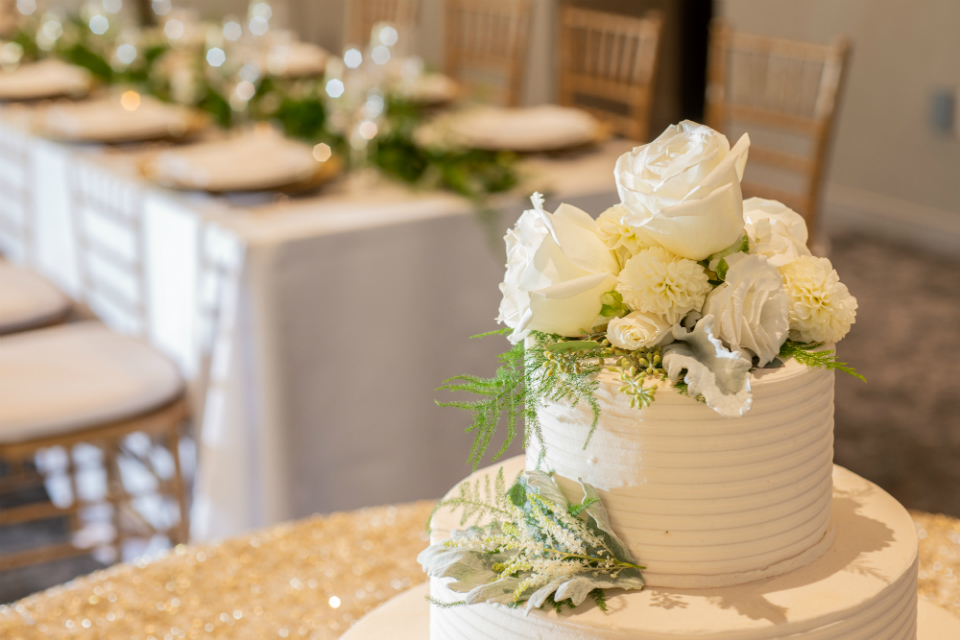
point(682, 274)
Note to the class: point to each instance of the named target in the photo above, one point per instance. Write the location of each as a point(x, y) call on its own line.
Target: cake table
point(276, 583)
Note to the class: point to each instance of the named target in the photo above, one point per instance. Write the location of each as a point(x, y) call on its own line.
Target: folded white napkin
point(107, 120)
point(259, 159)
point(433, 88)
point(538, 128)
point(296, 59)
point(44, 79)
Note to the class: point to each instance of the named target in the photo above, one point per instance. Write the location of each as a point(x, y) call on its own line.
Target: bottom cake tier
point(407, 617)
point(862, 588)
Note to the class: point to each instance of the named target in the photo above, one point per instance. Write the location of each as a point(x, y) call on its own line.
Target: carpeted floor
point(901, 429)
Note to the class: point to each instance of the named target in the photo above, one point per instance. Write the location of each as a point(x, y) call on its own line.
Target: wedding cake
point(673, 367)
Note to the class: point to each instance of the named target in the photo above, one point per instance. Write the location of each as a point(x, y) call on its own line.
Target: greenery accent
point(472, 173)
point(491, 504)
point(722, 268)
point(445, 605)
point(613, 306)
point(541, 546)
point(806, 354)
point(551, 368)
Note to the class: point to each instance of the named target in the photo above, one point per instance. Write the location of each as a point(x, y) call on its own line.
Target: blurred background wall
point(896, 153)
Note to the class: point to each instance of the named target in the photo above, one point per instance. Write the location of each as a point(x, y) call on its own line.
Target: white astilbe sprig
point(537, 547)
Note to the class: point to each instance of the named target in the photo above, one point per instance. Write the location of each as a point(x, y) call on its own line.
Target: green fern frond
point(496, 332)
point(478, 500)
point(600, 598)
point(806, 354)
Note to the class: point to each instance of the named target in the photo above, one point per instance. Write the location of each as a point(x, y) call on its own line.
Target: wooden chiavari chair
point(486, 47)
point(607, 66)
point(81, 384)
point(363, 14)
point(784, 92)
point(27, 301)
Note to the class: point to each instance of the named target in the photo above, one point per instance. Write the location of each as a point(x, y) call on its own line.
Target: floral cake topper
point(683, 283)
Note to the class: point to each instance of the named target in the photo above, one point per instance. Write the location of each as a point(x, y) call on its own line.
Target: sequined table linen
point(308, 579)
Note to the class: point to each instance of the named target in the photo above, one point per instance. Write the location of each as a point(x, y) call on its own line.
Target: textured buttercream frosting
point(862, 588)
point(699, 499)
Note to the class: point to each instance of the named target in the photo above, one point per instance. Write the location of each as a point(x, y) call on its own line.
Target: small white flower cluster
point(681, 245)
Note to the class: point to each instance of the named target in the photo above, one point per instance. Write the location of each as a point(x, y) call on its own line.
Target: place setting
point(259, 159)
point(120, 117)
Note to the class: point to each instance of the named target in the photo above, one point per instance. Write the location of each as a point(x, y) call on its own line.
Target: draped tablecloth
point(309, 579)
point(313, 330)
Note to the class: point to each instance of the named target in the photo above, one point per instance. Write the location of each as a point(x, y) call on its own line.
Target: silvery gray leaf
point(578, 588)
point(540, 596)
point(546, 487)
point(467, 566)
point(497, 592)
point(599, 514)
point(721, 376)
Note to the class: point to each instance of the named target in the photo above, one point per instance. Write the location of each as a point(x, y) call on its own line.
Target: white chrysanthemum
point(821, 307)
point(618, 235)
point(656, 281)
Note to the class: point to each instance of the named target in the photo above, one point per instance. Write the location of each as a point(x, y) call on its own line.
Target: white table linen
point(313, 330)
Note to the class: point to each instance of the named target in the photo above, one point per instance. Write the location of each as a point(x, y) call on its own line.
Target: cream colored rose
point(775, 231)
point(750, 307)
point(557, 271)
point(638, 330)
point(656, 281)
point(683, 190)
point(821, 307)
point(618, 235)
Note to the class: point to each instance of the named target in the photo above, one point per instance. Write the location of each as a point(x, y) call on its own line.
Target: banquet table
point(312, 330)
point(307, 579)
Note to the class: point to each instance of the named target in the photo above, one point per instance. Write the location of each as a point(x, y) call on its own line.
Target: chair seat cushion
point(27, 300)
point(75, 376)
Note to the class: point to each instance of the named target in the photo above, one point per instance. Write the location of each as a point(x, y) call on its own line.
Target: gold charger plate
point(196, 123)
point(325, 172)
point(53, 94)
point(602, 133)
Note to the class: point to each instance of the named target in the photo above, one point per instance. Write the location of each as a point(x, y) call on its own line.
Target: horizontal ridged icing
point(699, 499)
point(862, 588)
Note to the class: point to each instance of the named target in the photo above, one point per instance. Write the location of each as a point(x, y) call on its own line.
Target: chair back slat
point(608, 64)
point(486, 47)
point(777, 89)
point(363, 14)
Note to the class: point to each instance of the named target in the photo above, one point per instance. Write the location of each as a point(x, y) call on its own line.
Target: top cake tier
point(699, 499)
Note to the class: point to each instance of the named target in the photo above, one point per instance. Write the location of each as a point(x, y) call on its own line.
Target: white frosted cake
point(673, 365)
point(706, 501)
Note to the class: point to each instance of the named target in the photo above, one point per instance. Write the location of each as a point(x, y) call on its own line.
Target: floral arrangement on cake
point(536, 548)
point(682, 283)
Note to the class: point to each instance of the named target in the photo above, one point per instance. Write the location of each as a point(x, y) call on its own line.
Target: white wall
point(885, 150)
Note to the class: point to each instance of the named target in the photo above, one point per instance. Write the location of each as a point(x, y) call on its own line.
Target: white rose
point(751, 307)
point(638, 330)
point(557, 271)
point(683, 190)
point(821, 307)
point(775, 231)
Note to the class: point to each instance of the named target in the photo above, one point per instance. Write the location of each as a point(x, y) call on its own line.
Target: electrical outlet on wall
point(943, 111)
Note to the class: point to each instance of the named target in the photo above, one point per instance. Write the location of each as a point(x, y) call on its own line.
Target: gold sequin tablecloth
point(308, 579)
